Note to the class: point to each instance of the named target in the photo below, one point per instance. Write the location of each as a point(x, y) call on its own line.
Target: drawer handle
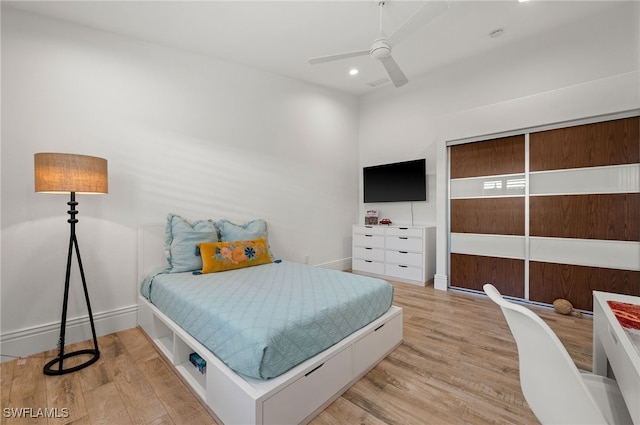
point(368, 248)
point(403, 237)
point(313, 370)
point(368, 261)
point(404, 267)
point(368, 236)
point(403, 252)
point(379, 327)
point(403, 228)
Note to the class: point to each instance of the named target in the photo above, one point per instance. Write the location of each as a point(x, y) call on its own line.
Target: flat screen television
point(397, 182)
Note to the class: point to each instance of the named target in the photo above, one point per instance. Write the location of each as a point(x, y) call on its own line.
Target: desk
point(613, 348)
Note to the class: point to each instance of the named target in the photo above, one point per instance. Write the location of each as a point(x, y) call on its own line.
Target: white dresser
point(405, 254)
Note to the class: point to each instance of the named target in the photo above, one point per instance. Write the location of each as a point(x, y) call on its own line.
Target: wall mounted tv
point(397, 182)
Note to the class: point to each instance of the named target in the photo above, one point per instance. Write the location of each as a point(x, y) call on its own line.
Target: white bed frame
point(295, 397)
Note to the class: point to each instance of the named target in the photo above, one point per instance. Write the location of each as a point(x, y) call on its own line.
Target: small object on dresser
point(563, 306)
point(198, 362)
point(371, 217)
point(385, 221)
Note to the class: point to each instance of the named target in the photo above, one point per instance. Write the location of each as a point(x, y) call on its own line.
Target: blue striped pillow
point(182, 239)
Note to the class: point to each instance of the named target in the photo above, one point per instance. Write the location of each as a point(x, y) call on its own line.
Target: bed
point(254, 383)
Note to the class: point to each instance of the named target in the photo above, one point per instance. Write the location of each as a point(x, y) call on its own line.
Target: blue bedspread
point(263, 320)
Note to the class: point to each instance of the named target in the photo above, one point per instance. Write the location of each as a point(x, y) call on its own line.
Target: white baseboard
point(343, 264)
point(441, 282)
point(26, 342)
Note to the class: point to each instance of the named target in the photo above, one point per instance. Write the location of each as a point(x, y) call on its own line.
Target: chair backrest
point(550, 381)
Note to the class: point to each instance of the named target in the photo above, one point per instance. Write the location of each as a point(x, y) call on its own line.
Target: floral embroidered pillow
point(221, 256)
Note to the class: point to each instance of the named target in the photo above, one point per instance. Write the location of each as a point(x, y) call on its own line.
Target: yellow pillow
point(221, 256)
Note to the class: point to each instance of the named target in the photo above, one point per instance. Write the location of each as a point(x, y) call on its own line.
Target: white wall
point(588, 69)
point(182, 133)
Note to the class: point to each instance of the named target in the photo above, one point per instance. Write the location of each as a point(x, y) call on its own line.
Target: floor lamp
point(69, 173)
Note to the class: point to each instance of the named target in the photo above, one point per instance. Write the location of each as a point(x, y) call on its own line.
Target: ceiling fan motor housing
point(380, 49)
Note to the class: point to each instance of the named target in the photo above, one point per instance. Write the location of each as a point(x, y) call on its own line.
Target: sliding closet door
point(487, 215)
point(584, 211)
point(548, 214)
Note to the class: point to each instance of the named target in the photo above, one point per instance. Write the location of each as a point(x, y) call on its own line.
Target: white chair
point(556, 391)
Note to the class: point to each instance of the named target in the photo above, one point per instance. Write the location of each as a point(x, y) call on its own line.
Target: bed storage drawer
point(292, 404)
point(373, 346)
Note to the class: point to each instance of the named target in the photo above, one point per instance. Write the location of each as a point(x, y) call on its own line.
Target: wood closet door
point(584, 211)
point(487, 215)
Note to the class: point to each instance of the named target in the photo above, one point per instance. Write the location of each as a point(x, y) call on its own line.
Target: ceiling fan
point(380, 49)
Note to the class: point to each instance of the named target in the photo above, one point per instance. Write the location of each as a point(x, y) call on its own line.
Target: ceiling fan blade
point(394, 71)
point(431, 10)
point(339, 56)
point(378, 82)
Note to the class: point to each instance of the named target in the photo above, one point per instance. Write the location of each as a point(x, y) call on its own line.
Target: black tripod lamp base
point(50, 370)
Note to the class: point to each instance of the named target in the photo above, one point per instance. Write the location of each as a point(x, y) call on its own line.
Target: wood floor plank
point(28, 390)
point(139, 347)
point(99, 374)
point(163, 420)
point(65, 392)
point(423, 399)
point(103, 403)
point(84, 421)
point(6, 377)
point(457, 364)
point(120, 418)
point(181, 406)
point(95, 376)
point(343, 412)
point(137, 393)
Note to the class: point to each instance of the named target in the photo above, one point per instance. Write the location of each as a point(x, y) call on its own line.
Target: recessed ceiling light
point(353, 71)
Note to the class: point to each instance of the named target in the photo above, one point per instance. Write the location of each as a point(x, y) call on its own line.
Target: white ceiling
point(280, 36)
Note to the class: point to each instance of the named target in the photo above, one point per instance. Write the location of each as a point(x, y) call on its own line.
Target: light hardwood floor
point(457, 365)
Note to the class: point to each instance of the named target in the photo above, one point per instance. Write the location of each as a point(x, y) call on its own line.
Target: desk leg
point(599, 355)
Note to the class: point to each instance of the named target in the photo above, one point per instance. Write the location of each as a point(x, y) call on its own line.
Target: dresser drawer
point(367, 266)
point(404, 272)
point(368, 230)
point(368, 241)
point(403, 243)
point(363, 253)
point(404, 231)
point(403, 257)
